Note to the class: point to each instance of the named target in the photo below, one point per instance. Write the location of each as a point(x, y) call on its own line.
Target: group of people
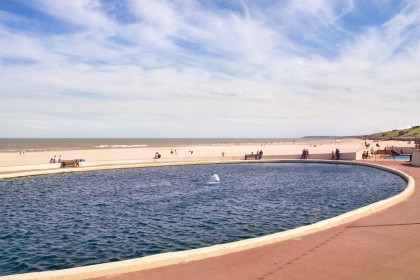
point(305, 154)
point(259, 154)
point(365, 155)
point(157, 155)
point(56, 159)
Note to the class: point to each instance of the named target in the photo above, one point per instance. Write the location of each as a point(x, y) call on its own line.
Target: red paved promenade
point(385, 245)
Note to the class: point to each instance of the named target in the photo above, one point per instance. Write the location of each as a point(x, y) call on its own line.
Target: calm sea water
point(68, 220)
point(58, 144)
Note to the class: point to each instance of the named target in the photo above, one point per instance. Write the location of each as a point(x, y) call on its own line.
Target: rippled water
point(67, 220)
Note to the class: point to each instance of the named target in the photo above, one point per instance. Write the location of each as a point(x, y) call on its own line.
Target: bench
point(70, 163)
point(251, 156)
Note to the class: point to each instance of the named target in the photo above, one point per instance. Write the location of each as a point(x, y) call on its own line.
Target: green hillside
point(398, 133)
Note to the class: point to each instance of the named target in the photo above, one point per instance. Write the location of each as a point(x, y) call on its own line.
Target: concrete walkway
point(385, 245)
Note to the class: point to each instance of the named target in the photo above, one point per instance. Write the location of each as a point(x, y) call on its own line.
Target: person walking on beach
point(305, 153)
point(337, 154)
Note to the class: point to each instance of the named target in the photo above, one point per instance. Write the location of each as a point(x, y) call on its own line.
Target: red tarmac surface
point(385, 245)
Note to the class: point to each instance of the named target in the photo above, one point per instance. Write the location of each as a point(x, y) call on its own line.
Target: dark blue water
point(67, 220)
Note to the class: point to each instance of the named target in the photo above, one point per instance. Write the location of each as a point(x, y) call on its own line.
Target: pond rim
point(53, 171)
point(180, 257)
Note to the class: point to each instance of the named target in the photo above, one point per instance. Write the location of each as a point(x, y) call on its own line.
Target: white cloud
point(82, 13)
point(178, 69)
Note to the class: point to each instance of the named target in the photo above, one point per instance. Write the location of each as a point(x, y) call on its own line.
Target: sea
point(10, 145)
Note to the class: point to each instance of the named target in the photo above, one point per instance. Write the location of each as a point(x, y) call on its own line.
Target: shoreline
point(106, 144)
point(12, 145)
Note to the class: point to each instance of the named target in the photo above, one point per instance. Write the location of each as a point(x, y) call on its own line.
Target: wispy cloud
point(277, 68)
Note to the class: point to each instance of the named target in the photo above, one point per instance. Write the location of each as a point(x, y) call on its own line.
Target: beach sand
point(182, 154)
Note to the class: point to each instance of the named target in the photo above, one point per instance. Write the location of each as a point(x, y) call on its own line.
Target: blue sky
point(152, 68)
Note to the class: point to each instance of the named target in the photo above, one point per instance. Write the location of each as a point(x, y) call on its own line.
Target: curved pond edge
point(172, 258)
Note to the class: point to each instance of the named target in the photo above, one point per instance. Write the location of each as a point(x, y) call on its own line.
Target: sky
point(208, 68)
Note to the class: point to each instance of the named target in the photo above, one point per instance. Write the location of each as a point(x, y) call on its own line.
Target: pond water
point(75, 219)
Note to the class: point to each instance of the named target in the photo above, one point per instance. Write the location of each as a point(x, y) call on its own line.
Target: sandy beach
point(183, 153)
